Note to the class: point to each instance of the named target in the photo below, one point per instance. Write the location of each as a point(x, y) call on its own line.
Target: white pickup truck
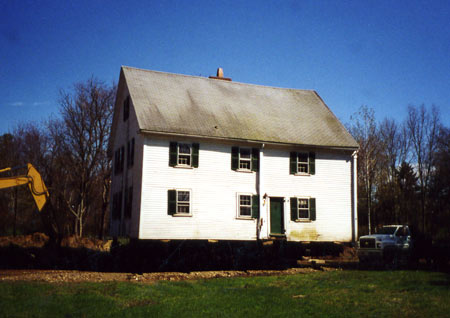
point(391, 244)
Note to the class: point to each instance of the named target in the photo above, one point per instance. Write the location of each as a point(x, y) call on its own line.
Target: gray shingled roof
point(198, 106)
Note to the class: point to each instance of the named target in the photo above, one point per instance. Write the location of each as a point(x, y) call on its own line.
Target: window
point(130, 153)
point(128, 202)
point(178, 202)
point(245, 205)
point(244, 159)
point(126, 108)
point(248, 206)
point(118, 160)
point(183, 154)
point(302, 163)
point(303, 209)
point(183, 201)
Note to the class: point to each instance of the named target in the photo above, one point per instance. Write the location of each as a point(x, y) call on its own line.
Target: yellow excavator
point(32, 178)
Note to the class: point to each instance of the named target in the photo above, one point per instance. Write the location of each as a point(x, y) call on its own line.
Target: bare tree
point(440, 188)
point(8, 197)
point(423, 129)
point(86, 112)
point(395, 144)
point(393, 152)
point(364, 129)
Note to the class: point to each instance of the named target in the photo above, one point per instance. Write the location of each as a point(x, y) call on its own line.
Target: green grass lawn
point(318, 294)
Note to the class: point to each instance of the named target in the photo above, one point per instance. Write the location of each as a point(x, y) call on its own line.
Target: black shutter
point(126, 108)
point(171, 202)
point(312, 163)
point(128, 154)
point(119, 200)
point(122, 157)
point(125, 205)
point(255, 206)
point(312, 209)
point(116, 161)
point(255, 159)
point(294, 209)
point(234, 158)
point(128, 202)
point(195, 148)
point(293, 163)
point(173, 154)
point(132, 153)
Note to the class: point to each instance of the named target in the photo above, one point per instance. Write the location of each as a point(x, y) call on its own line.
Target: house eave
point(241, 140)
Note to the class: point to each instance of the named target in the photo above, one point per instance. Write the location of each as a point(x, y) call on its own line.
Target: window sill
point(244, 218)
point(303, 221)
point(181, 215)
point(302, 174)
point(244, 170)
point(183, 167)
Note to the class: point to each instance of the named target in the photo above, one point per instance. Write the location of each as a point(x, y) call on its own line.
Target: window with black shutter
point(179, 202)
point(244, 159)
point(128, 202)
point(303, 209)
point(130, 153)
point(126, 108)
point(184, 154)
point(248, 206)
point(118, 160)
point(302, 163)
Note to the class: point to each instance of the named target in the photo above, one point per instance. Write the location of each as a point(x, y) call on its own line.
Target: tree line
point(70, 152)
point(403, 168)
point(403, 171)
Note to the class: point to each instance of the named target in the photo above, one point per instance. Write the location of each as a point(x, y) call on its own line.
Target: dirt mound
point(38, 240)
point(84, 242)
point(25, 241)
point(348, 253)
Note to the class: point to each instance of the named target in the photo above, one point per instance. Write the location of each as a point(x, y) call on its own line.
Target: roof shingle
point(197, 106)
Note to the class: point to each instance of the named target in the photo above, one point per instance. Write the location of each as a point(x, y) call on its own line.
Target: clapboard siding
point(129, 176)
point(330, 185)
point(213, 187)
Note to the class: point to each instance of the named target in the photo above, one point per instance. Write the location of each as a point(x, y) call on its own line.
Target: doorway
point(276, 216)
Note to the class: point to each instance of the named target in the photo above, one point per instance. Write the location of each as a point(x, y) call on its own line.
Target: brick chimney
point(219, 75)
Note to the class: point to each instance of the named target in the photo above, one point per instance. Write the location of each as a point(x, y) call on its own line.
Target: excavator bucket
point(37, 187)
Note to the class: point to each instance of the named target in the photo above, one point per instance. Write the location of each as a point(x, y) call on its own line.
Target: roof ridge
point(228, 82)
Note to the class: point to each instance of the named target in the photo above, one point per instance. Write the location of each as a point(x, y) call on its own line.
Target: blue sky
point(384, 54)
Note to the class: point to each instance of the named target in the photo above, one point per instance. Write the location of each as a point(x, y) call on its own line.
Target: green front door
point(276, 216)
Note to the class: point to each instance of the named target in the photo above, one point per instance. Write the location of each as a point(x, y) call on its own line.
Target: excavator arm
point(34, 181)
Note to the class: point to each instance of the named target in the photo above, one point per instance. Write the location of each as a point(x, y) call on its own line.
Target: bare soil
point(62, 276)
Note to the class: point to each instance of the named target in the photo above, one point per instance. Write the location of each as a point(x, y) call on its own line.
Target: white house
point(208, 158)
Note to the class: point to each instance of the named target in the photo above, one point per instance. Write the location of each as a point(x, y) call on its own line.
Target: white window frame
point(302, 163)
point(177, 213)
point(179, 154)
point(299, 208)
point(238, 203)
point(245, 160)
